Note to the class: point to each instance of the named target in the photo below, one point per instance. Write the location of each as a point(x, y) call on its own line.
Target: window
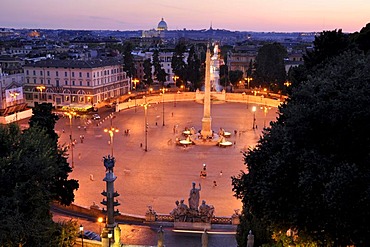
point(48, 73)
point(67, 98)
point(73, 83)
point(88, 75)
point(28, 80)
point(73, 74)
point(66, 83)
point(57, 83)
point(56, 73)
point(80, 83)
point(27, 72)
point(40, 72)
point(34, 72)
point(88, 83)
point(34, 81)
point(65, 74)
point(80, 74)
point(48, 82)
point(42, 81)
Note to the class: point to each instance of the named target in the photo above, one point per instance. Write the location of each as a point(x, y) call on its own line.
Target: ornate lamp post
point(40, 88)
point(254, 116)
point(162, 91)
point(70, 114)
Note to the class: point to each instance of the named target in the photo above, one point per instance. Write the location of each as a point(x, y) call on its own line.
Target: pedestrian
point(214, 183)
point(91, 177)
point(79, 156)
point(79, 127)
point(63, 130)
point(221, 173)
point(84, 128)
point(172, 114)
point(235, 132)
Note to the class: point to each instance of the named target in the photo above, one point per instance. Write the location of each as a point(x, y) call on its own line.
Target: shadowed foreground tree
point(310, 171)
point(33, 173)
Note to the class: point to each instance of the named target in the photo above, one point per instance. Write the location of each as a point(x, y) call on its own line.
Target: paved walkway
point(165, 172)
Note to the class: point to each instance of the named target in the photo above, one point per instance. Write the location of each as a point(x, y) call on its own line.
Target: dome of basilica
point(162, 25)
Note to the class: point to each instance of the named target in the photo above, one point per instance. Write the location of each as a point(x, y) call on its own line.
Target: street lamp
point(145, 105)
point(111, 132)
point(110, 235)
point(265, 109)
point(254, 116)
point(15, 94)
point(70, 114)
point(175, 77)
point(248, 79)
point(163, 90)
point(100, 220)
point(82, 234)
point(40, 88)
point(135, 81)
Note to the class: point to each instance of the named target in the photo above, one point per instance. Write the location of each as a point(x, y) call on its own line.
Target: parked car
point(96, 116)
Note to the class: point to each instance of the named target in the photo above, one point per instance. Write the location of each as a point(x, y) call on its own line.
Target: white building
point(74, 83)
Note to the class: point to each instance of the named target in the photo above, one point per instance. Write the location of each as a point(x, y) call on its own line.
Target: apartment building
point(74, 83)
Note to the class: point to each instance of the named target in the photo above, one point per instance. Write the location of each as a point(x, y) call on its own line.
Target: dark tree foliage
point(327, 45)
point(178, 64)
point(194, 69)
point(156, 62)
point(362, 39)
point(310, 171)
point(62, 188)
point(270, 68)
point(224, 75)
point(235, 76)
point(29, 169)
point(43, 116)
point(159, 72)
point(148, 71)
point(128, 60)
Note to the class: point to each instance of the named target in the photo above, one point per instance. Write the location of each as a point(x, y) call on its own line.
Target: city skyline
point(237, 15)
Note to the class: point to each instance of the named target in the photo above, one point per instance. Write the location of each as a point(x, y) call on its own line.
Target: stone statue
point(250, 241)
point(183, 211)
point(175, 213)
point(206, 212)
point(109, 163)
point(194, 197)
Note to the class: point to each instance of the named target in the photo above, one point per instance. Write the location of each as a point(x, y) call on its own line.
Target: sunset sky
point(235, 15)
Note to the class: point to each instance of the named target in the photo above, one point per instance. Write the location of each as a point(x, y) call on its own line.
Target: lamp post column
point(254, 117)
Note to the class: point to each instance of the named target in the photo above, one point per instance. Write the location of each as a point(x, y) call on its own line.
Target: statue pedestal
point(192, 225)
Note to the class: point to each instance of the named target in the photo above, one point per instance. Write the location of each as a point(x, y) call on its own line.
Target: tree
point(309, 172)
point(193, 68)
point(327, 45)
point(159, 72)
point(178, 64)
point(128, 60)
point(235, 76)
point(28, 169)
point(63, 189)
point(148, 71)
point(270, 69)
point(362, 39)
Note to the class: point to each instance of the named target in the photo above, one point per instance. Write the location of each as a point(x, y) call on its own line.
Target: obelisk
point(206, 120)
